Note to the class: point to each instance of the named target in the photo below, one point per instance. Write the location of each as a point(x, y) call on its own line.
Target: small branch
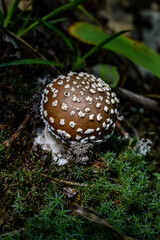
point(64, 181)
point(146, 102)
point(93, 216)
point(69, 183)
point(22, 41)
point(3, 126)
point(28, 46)
point(7, 143)
point(123, 132)
point(12, 233)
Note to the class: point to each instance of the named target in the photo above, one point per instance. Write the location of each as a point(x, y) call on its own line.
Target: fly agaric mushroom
point(79, 108)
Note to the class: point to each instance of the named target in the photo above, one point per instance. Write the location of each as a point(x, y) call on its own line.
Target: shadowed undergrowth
point(117, 186)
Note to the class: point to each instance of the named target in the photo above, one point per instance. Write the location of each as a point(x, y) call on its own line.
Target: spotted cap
point(79, 107)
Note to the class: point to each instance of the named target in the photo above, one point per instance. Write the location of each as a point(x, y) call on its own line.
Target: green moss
point(117, 186)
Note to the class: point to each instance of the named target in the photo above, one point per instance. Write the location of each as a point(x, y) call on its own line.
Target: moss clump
point(117, 186)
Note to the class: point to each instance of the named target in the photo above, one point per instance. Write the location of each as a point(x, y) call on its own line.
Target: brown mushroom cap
point(79, 107)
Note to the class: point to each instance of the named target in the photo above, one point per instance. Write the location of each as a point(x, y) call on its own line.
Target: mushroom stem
point(50, 143)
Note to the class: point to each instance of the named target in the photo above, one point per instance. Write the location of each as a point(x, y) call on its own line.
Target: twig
point(123, 132)
point(33, 50)
point(93, 216)
point(70, 183)
point(12, 233)
point(146, 102)
point(64, 181)
point(22, 41)
point(7, 143)
point(3, 126)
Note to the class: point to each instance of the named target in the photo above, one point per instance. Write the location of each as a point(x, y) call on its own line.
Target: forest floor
point(38, 197)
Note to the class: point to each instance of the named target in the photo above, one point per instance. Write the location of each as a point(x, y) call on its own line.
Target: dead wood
point(7, 143)
point(146, 102)
point(93, 216)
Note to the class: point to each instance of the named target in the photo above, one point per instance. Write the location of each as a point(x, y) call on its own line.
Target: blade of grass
point(1, 19)
point(25, 22)
point(79, 62)
point(31, 61)
point(22, 12)
point(153, 96)
point(135, 51)
point(109, 74)
point(54, 13)
point(54, 21)
point(33, 19)
point(11, 11)
point(85, 12)
point(53, 28)
point(58, 20)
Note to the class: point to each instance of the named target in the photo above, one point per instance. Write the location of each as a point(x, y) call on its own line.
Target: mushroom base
point(79, 152)
point(63, 153)
point(49, 142)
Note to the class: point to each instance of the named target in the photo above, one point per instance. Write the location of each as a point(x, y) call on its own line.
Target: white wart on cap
point(79, 107)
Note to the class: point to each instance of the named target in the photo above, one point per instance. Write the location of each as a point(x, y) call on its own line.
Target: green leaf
point(137, 52)
point(53, 28)
point(54, 13)
point(11, 11)
point(31, 61)
point(109, 74)
point(77, 65)
point(25, 22)
point(19, 17)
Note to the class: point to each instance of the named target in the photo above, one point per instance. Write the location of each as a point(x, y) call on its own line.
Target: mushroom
point(78, 108)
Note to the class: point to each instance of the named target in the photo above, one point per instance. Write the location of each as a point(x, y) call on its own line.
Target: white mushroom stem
point(50, 143)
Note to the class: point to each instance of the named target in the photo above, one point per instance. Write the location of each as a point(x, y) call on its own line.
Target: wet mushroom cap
point(79, 107)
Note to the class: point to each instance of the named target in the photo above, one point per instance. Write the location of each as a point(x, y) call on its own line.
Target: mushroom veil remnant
point(79, 108)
